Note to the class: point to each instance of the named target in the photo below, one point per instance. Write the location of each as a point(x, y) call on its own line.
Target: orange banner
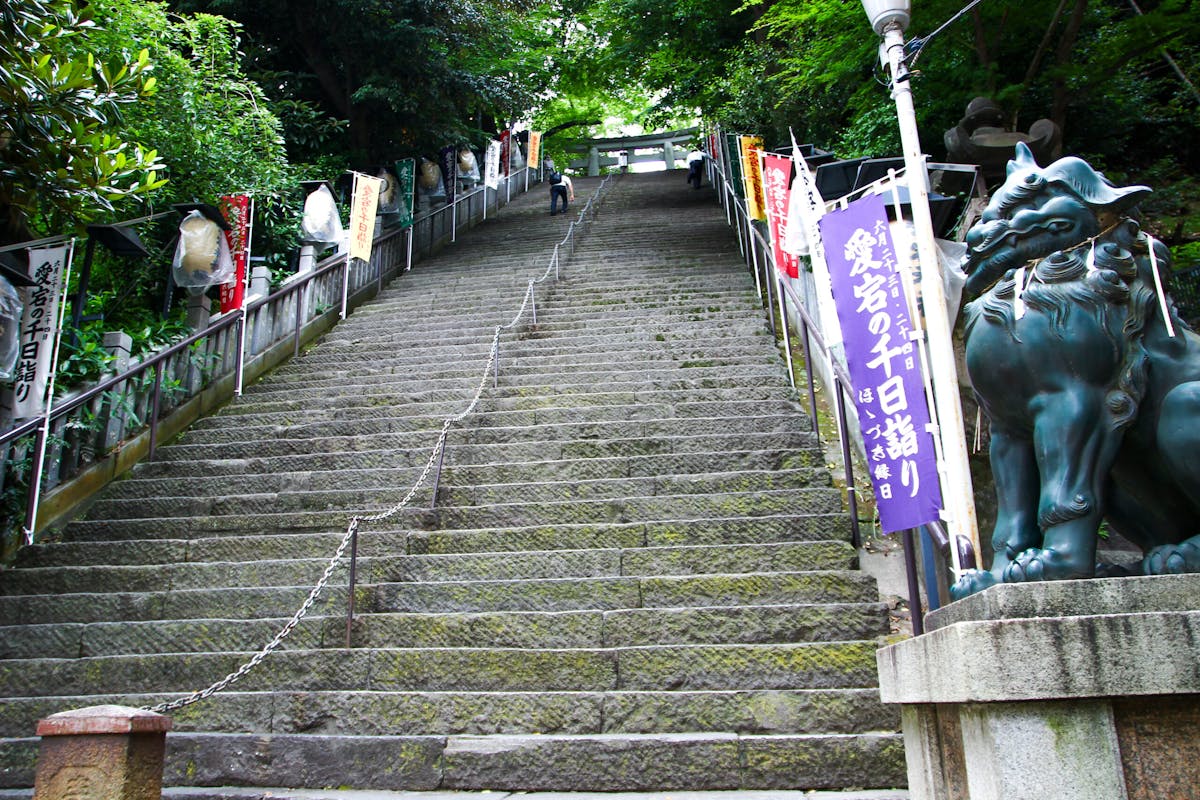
point(751, 146)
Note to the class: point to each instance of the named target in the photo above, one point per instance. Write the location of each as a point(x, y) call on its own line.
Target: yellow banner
point(535, 150)
point(751, 147)
point(363, 206)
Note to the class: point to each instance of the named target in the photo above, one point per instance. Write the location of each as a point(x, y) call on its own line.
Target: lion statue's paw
point(1036, 564)
point(1173, 559)
point(970, 582)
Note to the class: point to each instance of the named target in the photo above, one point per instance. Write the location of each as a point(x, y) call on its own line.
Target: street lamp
point(889, 18)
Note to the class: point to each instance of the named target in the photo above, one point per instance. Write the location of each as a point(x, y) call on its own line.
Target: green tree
point(404, 76)
point(62, 158)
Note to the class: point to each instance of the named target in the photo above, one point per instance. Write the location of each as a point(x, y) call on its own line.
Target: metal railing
point(99, 431)
point(780, 297)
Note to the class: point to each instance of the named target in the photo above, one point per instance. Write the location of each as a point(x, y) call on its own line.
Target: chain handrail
point(357, 520)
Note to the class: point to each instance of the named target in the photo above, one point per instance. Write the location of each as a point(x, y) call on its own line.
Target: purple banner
point(448, 161)
point(884, 364)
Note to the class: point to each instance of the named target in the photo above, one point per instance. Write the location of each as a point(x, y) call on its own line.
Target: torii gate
point(598, 150)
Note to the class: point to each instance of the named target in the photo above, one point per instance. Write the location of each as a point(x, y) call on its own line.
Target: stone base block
point(1072, 690)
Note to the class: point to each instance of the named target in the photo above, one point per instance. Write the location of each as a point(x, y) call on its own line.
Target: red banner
point(505, 152)
point(777, 179)
point(236, 210)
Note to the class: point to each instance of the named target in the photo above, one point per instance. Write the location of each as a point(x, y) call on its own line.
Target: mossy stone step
point(241, 514)
point(601, 762)
point(550, 594)
point(387, 542)
point(526, 565)
point(813, 622)
point(638, 425)
point(535, 481)
point(820, 665)
point(378, 713)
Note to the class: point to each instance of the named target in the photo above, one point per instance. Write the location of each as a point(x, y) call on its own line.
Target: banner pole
point(39, 466)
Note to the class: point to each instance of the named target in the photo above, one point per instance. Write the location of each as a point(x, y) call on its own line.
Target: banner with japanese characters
point(505, 152)
point(535, 150)
point(884, 364)
point(406, 177)
point(363, 205)
point(448, 161)
point(236, 210)
point(751, 146)
point(39, 327)
point(777, 173)
point(491, 165)
point(733, 160)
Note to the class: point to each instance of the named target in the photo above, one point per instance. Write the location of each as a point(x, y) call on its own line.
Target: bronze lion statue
point(1093, 404)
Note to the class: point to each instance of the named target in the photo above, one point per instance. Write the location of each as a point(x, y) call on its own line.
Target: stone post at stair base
point(1063, 690)
point(101, 753)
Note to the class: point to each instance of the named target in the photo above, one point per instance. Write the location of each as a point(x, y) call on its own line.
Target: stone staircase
point(637, 575)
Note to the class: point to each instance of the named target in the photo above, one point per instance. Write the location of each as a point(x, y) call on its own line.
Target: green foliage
point(62, 158)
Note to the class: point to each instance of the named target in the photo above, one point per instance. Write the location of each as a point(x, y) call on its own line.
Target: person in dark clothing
point(695, 162)
point(560, 188)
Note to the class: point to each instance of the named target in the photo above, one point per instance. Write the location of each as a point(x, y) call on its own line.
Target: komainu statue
point(1088, 377)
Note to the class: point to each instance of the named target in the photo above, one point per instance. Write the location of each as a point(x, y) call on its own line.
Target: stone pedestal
point(101, 753)
point(1063, 690)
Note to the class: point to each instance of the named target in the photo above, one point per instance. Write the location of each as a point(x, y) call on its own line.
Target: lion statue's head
point(1038, 211)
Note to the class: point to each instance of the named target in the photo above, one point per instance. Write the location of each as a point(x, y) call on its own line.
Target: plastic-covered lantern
point(321, 224)
point(202, 255)
point(516, 158)
point(10, 325)
point(429, 176)
point(468, 166)
point(389, 194)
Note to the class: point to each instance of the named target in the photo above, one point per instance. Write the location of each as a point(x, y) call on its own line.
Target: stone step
point(459, 486)
point(382, 713)
point(599, 762)
point(494, 412)
point(523, 629)
point(333, 510)
point(384, 542)
point(554, 594)
point(520, 372)
point(688, 472)
point(473, 464)
point(439, 403)
point(384, 424)
point(277, 793)
point(769, 374)
point(819, 665)
point(526, 565)
point(397, 450)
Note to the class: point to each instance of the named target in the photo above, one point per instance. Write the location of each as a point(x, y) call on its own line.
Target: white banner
point(491, 165)
point(803, 237)
point(363, 205)
point(39, 327)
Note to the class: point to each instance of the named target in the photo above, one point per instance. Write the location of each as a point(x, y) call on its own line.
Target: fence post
point(119, 344)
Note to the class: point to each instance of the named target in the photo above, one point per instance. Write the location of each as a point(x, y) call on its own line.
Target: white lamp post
point(889, 18)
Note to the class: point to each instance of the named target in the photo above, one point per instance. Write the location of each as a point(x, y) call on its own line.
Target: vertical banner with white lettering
point(39, 327)
point(884, 364)
point(448, 161)
point(777, 174)
point(491, 165)
point(505, 152)
point(236, 208)
point(406, 176)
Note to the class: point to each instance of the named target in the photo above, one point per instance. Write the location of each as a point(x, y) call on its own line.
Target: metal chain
point(356, 521)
